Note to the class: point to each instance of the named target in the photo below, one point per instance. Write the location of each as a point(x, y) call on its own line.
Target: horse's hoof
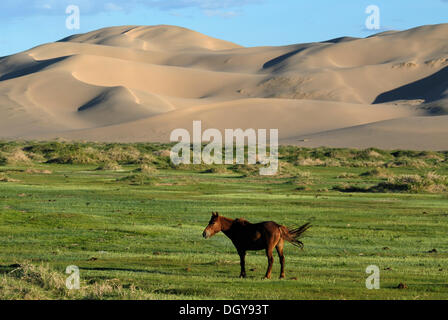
point(242, 276)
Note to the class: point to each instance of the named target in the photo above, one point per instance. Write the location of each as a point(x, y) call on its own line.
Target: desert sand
point(138, 83)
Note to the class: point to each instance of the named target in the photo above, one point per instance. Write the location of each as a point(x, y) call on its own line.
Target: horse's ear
point(214, 214)
point(217, 214)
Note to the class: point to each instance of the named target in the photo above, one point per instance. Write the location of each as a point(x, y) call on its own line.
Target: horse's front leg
point(242, 254)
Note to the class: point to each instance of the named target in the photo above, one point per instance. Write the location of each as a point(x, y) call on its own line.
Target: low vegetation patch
point(139, 179)
point(27, 281)
point(216, 170)
point(146, 169)
point(17, 156)
point(346, 175)
point(431, 182)
point(5, 178)
point(377, 173)
point(158, 155)
point(38, 171)
point(110, 166)
point(246, 170)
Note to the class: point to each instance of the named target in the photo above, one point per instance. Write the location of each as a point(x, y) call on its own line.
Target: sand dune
point(137, 83)
point(292, 116)
point(424, 133)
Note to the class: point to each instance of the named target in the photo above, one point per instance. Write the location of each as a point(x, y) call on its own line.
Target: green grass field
point(137, 235)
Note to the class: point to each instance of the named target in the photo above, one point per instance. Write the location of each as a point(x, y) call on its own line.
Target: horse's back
point(269, 225)
point(267, 229)
point(255, 236)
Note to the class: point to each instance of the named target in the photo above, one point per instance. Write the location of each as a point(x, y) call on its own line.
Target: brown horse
point(255, 236)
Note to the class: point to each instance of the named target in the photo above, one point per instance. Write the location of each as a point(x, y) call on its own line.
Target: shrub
point(124, 154)
point(431, 182)
point(146, 158)
point(163, 153)
point(5, 178)
point(346, 175)
point(216, 169)
point(109, 166)
point(310, 162)
point(246, 170)
point(376, 172)
point(302, 179)
point(362, 164)
point(78, 154)
point(304, 175)
point(146, 169)
point(350, 188)
point(370, 154)
point(407, 162)
point(3, 159)
point(17, 156)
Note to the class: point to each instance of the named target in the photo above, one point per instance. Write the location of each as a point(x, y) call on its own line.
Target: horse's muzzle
point(205, 234)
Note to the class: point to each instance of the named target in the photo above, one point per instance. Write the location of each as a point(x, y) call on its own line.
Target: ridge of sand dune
point(132, 83)
point(165, 80)
point(154, 38)
point(119, 105)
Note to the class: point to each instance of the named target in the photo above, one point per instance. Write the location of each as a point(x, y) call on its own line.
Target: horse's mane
point(241, 221)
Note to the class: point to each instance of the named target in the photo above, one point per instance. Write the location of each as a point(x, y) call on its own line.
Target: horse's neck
point(234, 229)
point(226, 226)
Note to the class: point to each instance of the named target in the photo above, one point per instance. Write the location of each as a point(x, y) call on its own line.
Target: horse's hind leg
point(279, 248)
point(242, 254)
point(270, 262)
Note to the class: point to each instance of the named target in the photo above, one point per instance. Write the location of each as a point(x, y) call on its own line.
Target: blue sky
point(27, 23)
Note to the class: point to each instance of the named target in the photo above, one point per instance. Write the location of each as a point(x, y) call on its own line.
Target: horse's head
point(214, 226)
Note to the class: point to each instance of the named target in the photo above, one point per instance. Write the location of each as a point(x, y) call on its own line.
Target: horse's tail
point(293, 235)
